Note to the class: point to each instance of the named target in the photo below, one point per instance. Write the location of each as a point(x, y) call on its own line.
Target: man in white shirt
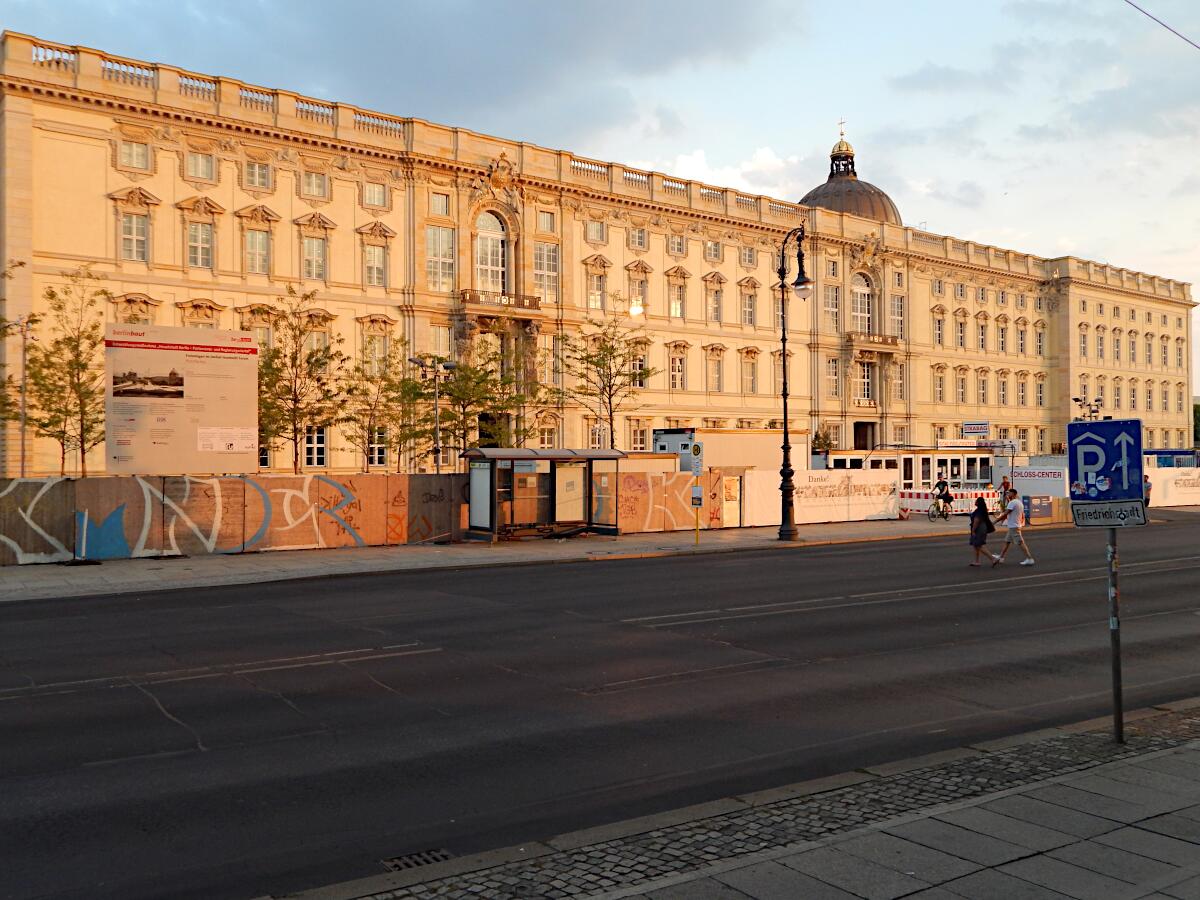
point(1014, 516)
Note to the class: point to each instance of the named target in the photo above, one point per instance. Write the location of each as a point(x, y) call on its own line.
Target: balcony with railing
point(500, 303)
point(864, 340)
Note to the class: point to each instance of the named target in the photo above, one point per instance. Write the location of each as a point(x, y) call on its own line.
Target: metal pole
point(1114, 633)
point(437, 423)
point(787, 488)
point(24, 384)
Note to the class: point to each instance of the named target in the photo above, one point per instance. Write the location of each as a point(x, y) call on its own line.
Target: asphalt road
point(237, 741)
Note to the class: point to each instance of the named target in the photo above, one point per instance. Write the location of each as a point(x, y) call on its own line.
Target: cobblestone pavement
point(624, 865)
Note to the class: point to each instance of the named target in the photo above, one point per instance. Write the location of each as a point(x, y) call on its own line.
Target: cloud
point(664, 122)
point(968, 194)
point(763, 172)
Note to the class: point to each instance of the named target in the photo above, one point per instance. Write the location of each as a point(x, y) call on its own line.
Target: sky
point(1051, 127)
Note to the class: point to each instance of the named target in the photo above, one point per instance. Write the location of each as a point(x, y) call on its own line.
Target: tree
point(65, 373)
point(383, 404)
point(822, 440)
point(480, 395)
point(605, 364)
point(1196, 423)
point(299, 375)
point(10, 391)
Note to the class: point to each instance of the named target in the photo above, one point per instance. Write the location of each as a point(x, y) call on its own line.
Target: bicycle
point(939, 507)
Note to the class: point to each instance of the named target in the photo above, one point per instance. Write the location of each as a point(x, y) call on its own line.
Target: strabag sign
point(180, 401)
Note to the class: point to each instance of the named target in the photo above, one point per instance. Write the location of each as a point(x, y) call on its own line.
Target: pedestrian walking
point(981, 527)
point(1014, 519)
point(1147, 487)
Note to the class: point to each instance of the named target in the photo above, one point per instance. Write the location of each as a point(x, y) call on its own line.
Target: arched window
point(861, 304)
point(491, 254)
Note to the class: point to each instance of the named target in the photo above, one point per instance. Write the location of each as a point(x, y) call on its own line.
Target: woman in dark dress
point(981, 527)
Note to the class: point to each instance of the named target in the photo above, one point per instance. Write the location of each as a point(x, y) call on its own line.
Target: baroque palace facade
point(199, 199)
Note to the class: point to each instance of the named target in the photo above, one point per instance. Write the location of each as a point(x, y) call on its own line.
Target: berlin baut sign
point(180, 401)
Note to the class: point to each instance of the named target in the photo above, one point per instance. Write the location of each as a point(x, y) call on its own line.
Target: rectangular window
point(200, 245)
point(1179, 401)
point(860, 312)
point(1040, 341)
point(1165, 355)
point(833, 308)
point(715, 296)
point(314, 258)
point(677, 299)
point(864, 387)
point(1083, 344)
point(749, 308)
point(639, 364)
point(896, 314)
point(439, 204)
point(638, 436)
point(374, 194)
point(981, 295)
point(439, 339)
point(678, 368)
point(748, 256)
point(315, 184)
point(439, 258)
point(939, 388)
point(1132, 348)
point(1101, 391)
point(1117, 396)
point(638, 239)
point(1116, 348)
point(1039, 391)
point(898, 280)
point(983, 390)
point(833, 377)
point(1002, 338)
point(716, 374)
point(1083, 306)
point(135, 155)
point(1022, 393)
point(899, 383)
point(939, 286)
point(1133, 396)
point(258, 256)
point(258, 175)
point(134, 237)
point(595, 231)
point(545, 222)
point(263, 337)
point(1021, 301)
point(1179, 356)
point(1041, 440)
point(201, 165)
point(547, 436)
point(960, 389)
point(960, 291)
point(597, 286)
point(1165, 397)
point(1002, 298)
point(982, 336)
point(1149, 352)
point(960, 334)
point(545, 271)
point(1099, 346)
point(1002, 391)
point(677, 245)
point(749, 375)
point(314, 446)
point(377, 448)
point(375, 262)
point(374, 353)
point(778, 304)
point(939, 332)
point(712, 251)
point(832, 269)
point(638, 293)
point(264, 456)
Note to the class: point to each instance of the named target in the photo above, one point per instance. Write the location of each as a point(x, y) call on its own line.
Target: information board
point(180, 401)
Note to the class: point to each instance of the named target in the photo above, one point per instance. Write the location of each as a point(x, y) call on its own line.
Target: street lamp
point(22, 326)
point(802, 288)
point(1089, 410)
point(440, 370)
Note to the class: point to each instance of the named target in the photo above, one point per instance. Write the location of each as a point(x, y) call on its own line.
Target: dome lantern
point(844, 192)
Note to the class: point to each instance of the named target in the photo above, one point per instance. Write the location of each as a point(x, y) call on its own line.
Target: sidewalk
point(125, 576)
point(1064, 813)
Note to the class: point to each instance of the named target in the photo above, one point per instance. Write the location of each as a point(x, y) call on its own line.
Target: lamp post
point(439, 369)
point(22, 325)
point(1089, 410)
point(801, 288)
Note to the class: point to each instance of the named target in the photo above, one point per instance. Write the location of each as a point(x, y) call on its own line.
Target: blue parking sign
point(1105, 460)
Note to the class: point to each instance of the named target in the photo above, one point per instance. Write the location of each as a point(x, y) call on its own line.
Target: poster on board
point(180, 401)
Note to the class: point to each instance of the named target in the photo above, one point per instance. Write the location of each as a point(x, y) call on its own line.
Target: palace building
point(199, 199)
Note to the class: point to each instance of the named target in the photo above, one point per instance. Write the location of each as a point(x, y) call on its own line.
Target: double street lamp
point(441, 370)
point(1089, 410)
point(801, 288)
point(22, 326)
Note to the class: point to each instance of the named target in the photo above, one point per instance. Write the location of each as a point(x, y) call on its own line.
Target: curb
point(276, 578)
point(375, 884)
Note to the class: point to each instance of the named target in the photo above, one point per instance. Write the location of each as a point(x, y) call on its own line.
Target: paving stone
point(1181, 765)
point(991, 884)
point(1160, 801)
point(935, 893)
point(1184, 890)
point(960, 842)
point(1093, 804)
point(773, 881)
point(1152, 778)
point(1014, 831)
point(704, 889)
point(1174, 825)
point(1038, 812)
point(1114, 862)
point(908, 858)
point(854, 874)
point(1074, 881)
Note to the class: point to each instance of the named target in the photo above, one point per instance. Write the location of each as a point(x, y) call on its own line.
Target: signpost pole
point(695, 485)
point(1114, 632)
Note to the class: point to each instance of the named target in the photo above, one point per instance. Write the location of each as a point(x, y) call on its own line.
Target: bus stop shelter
point(520, 492)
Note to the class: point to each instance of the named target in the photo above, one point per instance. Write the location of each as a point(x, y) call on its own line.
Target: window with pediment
point(135, 309)
point(200, 217)
point(314, 232)
point(134, 211)
point(491, 253)
point(375, 238)
point(201, 313)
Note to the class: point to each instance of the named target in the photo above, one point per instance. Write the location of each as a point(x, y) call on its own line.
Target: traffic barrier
point(964, 501)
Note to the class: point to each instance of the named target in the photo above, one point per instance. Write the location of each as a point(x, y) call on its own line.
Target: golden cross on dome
point(842, 127)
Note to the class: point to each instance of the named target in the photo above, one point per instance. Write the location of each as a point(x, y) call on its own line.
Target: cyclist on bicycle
point(941, 491)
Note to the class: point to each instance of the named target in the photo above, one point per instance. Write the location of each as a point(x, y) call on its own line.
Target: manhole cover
point(416, 860)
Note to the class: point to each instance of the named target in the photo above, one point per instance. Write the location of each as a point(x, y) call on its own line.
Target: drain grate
point(416, 860)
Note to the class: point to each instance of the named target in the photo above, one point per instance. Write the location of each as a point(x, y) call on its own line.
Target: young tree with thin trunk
point(10, 390)
point(65, 371)
point(299, 375)
point(383, 404)
point(605, 367)
point(479, 396)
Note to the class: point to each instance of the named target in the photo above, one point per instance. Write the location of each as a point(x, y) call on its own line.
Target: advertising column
point(180, 400)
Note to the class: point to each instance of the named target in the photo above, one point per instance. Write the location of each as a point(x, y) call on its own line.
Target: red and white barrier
point(964, 501)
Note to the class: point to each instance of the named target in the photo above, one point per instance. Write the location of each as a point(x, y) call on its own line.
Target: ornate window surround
point(138, 201)
point(200, 310)
point(203, 210)
point(133, 307)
